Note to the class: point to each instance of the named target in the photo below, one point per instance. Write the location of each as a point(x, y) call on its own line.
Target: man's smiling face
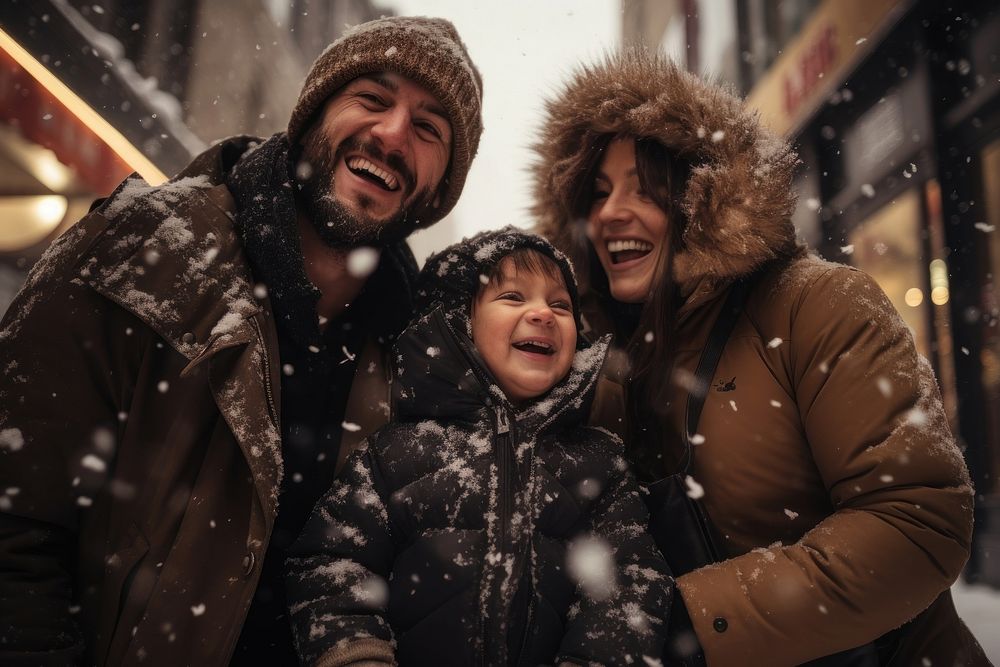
point(373, 161)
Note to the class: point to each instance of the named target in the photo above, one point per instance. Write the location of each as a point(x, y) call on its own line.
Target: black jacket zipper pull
point(502, 425)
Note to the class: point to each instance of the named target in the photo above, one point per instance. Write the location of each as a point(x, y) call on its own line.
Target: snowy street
point(979, 607)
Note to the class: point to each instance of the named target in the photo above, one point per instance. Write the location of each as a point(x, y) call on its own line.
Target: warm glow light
point(29, 220)
point(51, 172)
point(914, 297)
point(939, 282)
point(102, 128)
point(939, 295)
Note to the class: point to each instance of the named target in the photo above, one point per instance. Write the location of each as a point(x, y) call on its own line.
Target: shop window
point(888, 246)
point(990, 354)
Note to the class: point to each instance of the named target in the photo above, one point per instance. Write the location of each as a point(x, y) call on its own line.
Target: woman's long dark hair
point(647, 329)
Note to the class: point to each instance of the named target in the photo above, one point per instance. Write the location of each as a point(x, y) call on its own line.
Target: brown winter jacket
point(139, 440)
point(826, 461)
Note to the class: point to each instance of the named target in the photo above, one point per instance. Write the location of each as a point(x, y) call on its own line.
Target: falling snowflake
point(591, 564)
point(362, 261)
point(198, 609)
point(94, 463)
point(694, 489)
point(916, 417)
point(12, 439)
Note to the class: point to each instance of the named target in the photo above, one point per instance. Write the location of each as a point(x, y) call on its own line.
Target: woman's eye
point(599, 194)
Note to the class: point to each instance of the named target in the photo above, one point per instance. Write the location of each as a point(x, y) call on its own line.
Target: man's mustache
point(371, 150)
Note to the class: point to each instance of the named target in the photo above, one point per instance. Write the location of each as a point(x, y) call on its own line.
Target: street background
point(893, 105)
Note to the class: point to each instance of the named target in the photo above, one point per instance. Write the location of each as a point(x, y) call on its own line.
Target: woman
point(826, 462)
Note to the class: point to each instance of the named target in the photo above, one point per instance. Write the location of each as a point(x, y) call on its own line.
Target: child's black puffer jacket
point(471, 532)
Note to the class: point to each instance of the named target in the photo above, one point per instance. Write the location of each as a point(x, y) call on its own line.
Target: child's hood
point(438, 372)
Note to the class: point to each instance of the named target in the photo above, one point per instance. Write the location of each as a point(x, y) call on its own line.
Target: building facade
point(894, 107)
point(93, 90)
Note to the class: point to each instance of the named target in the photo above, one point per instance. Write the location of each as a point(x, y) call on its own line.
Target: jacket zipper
point(504, 464)
point(267, 372)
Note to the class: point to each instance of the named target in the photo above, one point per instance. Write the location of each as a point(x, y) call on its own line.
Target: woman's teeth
point(623, 251)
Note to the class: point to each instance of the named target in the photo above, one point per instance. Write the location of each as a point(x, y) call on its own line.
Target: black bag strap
point(709, 361)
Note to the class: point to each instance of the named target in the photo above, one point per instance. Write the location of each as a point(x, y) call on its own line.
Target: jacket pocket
point(119, 608)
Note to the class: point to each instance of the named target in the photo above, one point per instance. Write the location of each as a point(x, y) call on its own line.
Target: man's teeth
point(361, 164)
point(631, 244)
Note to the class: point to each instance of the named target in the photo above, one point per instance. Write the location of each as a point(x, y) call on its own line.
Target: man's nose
point(392, 129)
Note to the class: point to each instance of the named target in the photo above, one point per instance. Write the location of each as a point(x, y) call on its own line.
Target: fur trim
point(739, 198)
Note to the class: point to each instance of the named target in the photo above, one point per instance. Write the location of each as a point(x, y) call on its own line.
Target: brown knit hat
point(425, 50)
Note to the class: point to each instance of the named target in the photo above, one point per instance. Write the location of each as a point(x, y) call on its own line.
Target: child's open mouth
point(535, 347)
point(625, 251)
point(367, 170)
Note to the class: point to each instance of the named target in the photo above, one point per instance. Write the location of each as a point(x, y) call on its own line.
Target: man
point(185, 367)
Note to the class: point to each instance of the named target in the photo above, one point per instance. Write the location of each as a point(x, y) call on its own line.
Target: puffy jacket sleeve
point(337, 572)
point(58, 420)
point(901, 525)
point(625, 586)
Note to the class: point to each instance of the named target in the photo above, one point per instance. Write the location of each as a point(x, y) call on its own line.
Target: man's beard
point(336, 224)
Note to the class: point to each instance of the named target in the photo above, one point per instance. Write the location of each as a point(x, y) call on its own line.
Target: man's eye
point(429, 128)
point(372, 98)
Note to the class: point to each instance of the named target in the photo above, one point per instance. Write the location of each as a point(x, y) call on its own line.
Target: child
point(487, 524)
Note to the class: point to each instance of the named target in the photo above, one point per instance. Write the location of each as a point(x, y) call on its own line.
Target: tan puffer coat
point(827, 463)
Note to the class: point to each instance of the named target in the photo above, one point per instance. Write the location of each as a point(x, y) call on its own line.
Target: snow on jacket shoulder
point(449, 538)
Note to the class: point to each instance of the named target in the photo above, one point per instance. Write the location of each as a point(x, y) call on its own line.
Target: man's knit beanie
point(428, 51)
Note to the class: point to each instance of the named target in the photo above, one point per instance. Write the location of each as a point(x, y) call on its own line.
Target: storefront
point(895, 107)
point(57, 151)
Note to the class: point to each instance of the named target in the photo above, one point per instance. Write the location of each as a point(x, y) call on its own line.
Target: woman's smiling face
point(626, 227)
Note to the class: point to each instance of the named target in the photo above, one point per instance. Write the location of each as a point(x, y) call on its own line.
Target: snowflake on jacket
point(471, 530)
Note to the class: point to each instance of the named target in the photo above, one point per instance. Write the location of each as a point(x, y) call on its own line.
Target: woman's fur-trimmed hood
point(738, 200)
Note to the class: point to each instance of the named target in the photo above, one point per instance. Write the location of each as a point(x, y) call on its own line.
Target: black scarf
point(318, 367)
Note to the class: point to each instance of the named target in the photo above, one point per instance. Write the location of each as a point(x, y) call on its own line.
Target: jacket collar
point(171, 256)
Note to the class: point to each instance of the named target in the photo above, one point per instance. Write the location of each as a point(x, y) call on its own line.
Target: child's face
point(524, 330)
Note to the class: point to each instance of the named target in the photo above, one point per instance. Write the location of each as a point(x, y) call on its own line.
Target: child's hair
point(524, 259)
